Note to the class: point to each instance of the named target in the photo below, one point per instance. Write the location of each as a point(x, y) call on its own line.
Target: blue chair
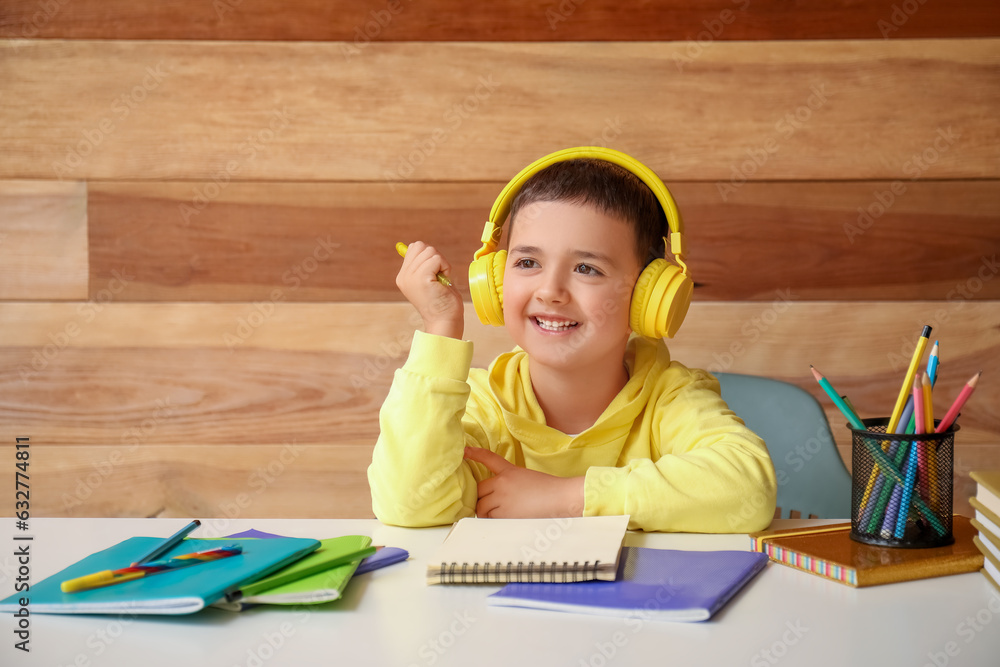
point(813, 481)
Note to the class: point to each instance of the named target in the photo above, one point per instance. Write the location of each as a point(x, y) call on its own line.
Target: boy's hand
point(515, 492)
point(440, 306)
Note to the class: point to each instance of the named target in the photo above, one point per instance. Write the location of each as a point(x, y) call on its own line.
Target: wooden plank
point(503, 20)
point(293, 241)
point(214, 112)
point(43, 240)
point(850, 240)
point(319, 370)
point(206, 481)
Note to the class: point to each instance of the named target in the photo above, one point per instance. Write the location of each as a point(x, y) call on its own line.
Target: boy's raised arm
point(418, 476)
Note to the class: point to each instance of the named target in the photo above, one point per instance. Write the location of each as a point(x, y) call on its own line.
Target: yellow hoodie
point(667, 450)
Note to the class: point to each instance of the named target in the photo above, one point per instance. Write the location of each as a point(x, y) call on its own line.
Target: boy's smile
point(567, 287)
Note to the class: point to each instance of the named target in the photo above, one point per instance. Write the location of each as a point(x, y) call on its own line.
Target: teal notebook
point(320, 577)
point(182, 591)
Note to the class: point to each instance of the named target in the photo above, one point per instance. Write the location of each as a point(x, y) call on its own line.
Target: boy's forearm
point(417, 475)
point(733, 493)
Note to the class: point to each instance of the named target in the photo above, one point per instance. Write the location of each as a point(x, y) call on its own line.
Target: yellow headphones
point(662, 293)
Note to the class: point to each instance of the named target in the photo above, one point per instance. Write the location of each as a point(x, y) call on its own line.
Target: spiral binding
point(487, 573)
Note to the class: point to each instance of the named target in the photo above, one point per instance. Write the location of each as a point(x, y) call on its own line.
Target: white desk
point(390, 617)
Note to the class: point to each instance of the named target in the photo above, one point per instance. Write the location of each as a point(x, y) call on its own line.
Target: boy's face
point(568, 284)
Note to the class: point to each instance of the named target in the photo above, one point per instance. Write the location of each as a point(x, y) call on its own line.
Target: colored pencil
point(930, 452)
point(911, 372)
point(932, 363)
point(855, 421)
point(913, 463)
point(920, 419)
point(109, 577)
point(837, 400)
point(443, 279)
point(897, 411)
point(888, 500)
point(168, 544)
point(952, 414)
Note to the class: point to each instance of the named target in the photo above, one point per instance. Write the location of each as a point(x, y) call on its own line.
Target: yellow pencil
point(443, 279)
point(897, 411)
point(911, 372)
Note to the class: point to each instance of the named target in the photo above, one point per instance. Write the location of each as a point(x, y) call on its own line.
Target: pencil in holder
point(901, 486)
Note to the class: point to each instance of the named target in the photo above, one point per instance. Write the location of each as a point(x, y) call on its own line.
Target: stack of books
point(986, 502)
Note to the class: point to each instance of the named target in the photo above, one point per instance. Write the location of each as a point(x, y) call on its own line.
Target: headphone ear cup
point(660, 300)
point(486, 287)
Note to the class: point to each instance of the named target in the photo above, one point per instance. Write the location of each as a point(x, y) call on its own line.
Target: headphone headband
point(662, 292)
point(501, 207)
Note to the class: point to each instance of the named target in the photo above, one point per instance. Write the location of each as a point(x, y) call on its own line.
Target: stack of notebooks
point(579, 565)
point(268, 569)
point(986, 503)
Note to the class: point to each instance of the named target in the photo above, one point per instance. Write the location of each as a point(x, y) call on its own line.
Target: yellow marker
point(443, 279)
point(99, 579)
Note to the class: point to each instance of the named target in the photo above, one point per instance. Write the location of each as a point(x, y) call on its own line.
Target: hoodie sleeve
point(418, 476)
point(708, 473)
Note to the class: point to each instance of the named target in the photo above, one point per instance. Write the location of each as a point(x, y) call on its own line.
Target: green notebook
point(319, 577)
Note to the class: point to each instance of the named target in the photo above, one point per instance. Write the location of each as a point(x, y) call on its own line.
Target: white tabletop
point(391, 617)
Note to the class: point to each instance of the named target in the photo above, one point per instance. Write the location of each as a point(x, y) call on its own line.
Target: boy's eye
point(526, 264)
point(587, 270)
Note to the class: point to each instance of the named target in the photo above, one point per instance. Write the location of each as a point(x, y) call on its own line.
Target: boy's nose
point(552, 289)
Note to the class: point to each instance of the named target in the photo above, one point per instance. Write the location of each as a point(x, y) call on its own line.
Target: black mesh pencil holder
point(901, 487)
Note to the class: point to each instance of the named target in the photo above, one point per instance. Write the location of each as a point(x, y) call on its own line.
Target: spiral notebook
point(497, 551)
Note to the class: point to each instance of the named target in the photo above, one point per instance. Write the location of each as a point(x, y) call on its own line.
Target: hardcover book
point(988, 488)
point(829, 552)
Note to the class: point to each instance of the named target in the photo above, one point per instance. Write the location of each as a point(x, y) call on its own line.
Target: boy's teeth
point(554, 326)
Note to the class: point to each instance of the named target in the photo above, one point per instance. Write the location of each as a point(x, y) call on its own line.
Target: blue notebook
point(180, 591)
point(655, 584)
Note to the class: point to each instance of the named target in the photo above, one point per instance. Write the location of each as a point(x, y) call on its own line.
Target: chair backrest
point(812, 478)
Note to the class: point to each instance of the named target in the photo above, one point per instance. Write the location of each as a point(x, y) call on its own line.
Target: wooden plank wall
point(198, 205)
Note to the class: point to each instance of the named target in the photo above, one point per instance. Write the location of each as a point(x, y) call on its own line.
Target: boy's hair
point(611, 189)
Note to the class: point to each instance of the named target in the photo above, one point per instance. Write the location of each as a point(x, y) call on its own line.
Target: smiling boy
point(583, 417)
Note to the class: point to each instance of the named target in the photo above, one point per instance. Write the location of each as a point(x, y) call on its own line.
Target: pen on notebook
point(443, 279)
point(109, 577)
point(167, 544)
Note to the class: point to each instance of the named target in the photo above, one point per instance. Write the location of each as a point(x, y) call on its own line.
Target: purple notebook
point(384, 556)
point(655, 584)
